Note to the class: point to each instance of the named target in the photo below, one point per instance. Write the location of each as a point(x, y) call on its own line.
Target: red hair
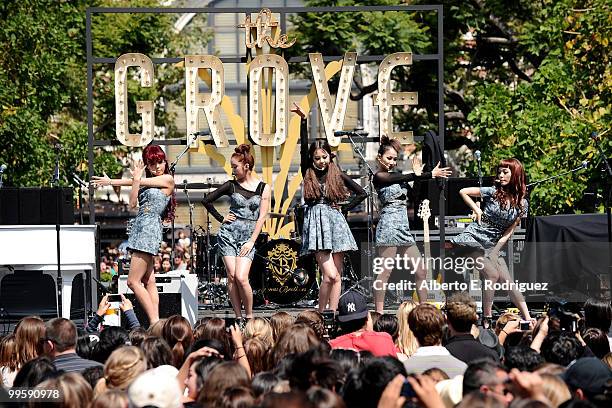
point(516, 190)
point(243, 154)
point(153, 154)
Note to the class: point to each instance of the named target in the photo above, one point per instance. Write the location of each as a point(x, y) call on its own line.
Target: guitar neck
point(426, 246)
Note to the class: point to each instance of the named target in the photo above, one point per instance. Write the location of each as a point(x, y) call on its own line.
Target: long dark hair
point(335, 190)
point(154, 154)
point(515, 191)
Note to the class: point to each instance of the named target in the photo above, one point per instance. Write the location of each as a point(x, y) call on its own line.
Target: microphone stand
point(369, 208)
point(607, 197)
point(171, 170)
point(192, 258)
point(55, 183)
point(535, 183)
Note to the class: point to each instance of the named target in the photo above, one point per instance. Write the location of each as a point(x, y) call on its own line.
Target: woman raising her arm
point(154, 196)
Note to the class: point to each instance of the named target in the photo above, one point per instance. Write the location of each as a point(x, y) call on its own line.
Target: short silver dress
point(244, 204)
point(393, 228)
point(495, 221)
point(325, 227)
point(145, 230)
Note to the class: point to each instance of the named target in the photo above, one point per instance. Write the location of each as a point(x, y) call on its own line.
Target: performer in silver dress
point(393, 230)
point(155, 198)
point(249, 206)
point(500, 213)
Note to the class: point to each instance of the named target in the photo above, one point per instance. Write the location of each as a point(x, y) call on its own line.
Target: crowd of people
point(420, 357)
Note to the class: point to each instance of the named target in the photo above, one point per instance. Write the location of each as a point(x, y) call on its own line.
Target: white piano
point(34, 248)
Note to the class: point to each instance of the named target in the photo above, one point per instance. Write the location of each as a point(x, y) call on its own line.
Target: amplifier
point(177, 295)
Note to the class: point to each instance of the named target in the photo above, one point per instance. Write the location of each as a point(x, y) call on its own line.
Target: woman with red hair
point(154, 195)
point(500, 213)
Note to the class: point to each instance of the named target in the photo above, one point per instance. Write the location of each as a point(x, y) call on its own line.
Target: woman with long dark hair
point(156, 201)
point(500, 213)
point(326, 232)
point(393, 230)
point(249, 206)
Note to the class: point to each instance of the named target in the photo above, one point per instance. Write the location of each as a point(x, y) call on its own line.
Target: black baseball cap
point(352, 306)
point(589, 374)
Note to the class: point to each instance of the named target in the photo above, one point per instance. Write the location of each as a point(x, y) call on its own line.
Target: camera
point(329, 322)
point(568, 319)
point(524, 325)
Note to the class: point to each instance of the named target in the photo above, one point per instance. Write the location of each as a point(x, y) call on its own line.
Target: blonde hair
point(607, 360)
point(555, 389)
point(121, 369)
point(503, 320)
point(259, 328)
point(74, 391)
point(406, 341)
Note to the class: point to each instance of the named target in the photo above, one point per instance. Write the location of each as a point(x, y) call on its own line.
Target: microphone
point(3, 168)
point(350, 133)
point(477, 155)
point(585, 164)
point(201, 133)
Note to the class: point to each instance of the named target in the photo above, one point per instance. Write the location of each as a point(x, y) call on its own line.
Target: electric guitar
point(433, 296)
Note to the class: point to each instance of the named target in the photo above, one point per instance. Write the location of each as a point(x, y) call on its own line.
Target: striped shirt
point(72, 362)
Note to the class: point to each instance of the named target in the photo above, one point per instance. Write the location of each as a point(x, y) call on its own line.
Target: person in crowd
point(522, 358)
point(178, 334)
point(35, 371)
point(111, 399)
point(259, 328)
point(589, 378)
point(249, 206)
point(125, 306)
point(60, 343)
point(406, 342)
point(74, 390)
point(225, 375)
point(393, 230)
point(598, 314)
point(154, 388)
point(314, 319)
point(298, 338)
point(121, 369)
point(326, 232)
point(279, 322)
point(489, 378)
point(157, 352)
point(9, 360)
point(501, 212)
point(356, 326)
point(387, 323)
point(155, 197)
point(597, 341)
point(111, 338)
point(461, 316)
point(179, 261)
point(427, 323)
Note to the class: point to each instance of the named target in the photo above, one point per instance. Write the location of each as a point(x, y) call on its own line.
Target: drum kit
point(279, 275)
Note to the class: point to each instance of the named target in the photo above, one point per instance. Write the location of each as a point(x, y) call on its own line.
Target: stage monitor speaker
point(9, 206)
point(29, 206)
point(49, 201)
point(177, 295)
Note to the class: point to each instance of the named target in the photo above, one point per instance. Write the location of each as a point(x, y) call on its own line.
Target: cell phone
point(113, 315)
point(524, 325)
point(407, 390)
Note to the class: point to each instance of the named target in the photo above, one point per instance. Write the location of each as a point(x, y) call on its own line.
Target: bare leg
point(232, 287)
point(151, 287)
point(139, 265)
point(515, 295)
point(420, 273)
point(334, 295)
point(383, 278)
point(490, 273)
point(243, 267)
point(330, 276)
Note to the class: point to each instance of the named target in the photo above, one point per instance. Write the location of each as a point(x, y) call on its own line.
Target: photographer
point(125, 306)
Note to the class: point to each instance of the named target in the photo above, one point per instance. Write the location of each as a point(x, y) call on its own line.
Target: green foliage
point(43, 88)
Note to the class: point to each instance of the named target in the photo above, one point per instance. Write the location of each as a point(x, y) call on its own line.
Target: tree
point(529, 79)
point(43, 72)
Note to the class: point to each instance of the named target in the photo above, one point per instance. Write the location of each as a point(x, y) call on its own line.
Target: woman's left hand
point(246, 248)
point(443, 172)
point(137, 170)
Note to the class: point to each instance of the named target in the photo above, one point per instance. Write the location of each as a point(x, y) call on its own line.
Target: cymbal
point(196, 186)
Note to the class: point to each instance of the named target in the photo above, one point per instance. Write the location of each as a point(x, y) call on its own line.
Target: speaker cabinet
point(9, 206)
point(50, 198)
point(29, 206)
point(177, 295)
